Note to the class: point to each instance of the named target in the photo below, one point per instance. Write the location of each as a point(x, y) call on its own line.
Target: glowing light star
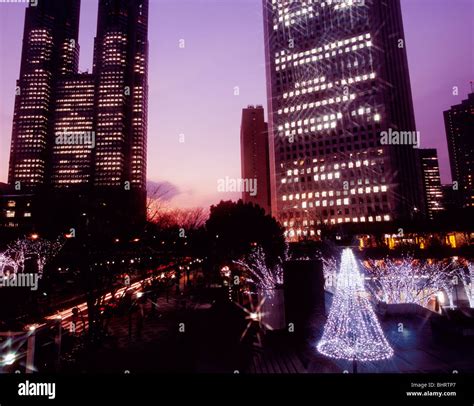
point(352, 331)
point(255, 317)
point(9, 358)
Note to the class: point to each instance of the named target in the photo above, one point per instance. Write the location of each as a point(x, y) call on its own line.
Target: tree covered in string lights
point(329, 272)
point(468, 283)
point(352, 331)
point(7, 265)
point(263, 275)
point(408, 280)
point(39, 249)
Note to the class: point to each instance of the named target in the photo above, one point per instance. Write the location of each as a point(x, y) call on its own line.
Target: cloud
point(162, 190)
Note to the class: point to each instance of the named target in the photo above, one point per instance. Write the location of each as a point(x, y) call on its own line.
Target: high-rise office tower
point(337, 79)
point(459, 123)
point(255, 157)
point(121, 70)
point(80, 131)
point(431, 181)
point(50, 52)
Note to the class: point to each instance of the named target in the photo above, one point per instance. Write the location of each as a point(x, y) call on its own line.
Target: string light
point(330, 273)
point(7, 265)
point(409, 281)
point(352, 331)
point(23, 249)
point(265, 277)
point(468, 282)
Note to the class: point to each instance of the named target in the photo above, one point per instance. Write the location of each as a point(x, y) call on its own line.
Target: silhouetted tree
point(234, 228)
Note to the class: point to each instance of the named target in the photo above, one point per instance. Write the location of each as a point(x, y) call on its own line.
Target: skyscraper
point(337, 79)
point(80, 131)
point(121, 74)
point(50, 52)
point(459, 123)
point(121, 70)
point(254, 156)
point(431, 181)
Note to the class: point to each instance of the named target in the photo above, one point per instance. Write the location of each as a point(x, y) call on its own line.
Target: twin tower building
point(82, 137)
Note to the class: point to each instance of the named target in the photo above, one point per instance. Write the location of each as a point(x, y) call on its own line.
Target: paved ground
point(190, 335)
point(417, 349)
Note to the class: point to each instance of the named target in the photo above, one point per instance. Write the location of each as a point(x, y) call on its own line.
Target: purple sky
point(192, 89)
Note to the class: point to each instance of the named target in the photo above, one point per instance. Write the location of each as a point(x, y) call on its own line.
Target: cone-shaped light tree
point(352, 331)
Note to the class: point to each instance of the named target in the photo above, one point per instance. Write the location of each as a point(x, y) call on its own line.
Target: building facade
point(17, 211)
point(451, 197)
point(459, 124)
point(50, 52)
point(337, 79)
point(255, 157)
point(431, 181)
point(74, 136)
point(121, 71)
point(83, 132)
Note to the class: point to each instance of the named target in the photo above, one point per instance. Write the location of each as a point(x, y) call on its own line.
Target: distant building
point(255, 156)
point(337, 85)
point(16, 210)
point(431, 181)
point(459, 123)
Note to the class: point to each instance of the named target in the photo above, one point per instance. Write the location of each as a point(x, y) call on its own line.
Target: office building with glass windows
point(337, 79)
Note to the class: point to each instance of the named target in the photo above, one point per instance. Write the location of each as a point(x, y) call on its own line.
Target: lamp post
point(59, 320)
point(30, 352)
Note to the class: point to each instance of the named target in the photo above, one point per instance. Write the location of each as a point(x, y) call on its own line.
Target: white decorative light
point(266, 278)
point(409, 281)
point(352, 331)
